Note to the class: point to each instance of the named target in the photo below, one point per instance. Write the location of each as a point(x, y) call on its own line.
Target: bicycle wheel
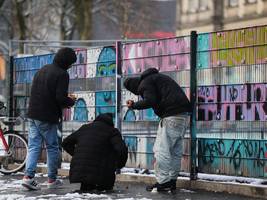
point(15, 159)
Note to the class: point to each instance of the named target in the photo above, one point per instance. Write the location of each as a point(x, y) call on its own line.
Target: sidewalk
point(250, 187)
point(11, 189)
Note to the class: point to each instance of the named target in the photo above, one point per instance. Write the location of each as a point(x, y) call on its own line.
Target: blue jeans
point(38, 132)
point(168, 147)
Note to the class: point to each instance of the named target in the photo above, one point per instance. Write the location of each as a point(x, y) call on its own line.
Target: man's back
point(49, 92)
point(170, 99)
point(43, 105)
point(97, 149)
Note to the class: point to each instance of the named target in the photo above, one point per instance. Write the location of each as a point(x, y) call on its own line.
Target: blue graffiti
point(80, 111)
point(148, 115)
point(106, 64)
point(129, 115)
point(131, 143)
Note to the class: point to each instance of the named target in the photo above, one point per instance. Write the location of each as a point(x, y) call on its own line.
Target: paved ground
point(10, 189)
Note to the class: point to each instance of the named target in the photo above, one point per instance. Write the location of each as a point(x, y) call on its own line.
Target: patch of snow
point(134, 199)
point(65, 165)
point(12, 197)
point(232, 179)
point(186, 191)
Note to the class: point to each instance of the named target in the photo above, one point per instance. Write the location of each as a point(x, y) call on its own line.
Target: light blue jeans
point(38, 132)
point(168, 147)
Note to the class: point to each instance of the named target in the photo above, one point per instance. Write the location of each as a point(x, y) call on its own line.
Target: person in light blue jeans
point(169, 102)
point(49, 96)
point(40, 132)
point(168, 147)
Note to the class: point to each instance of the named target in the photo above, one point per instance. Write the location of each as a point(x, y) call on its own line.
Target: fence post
point(193, 96)
point(11, 89)
point(118, 85)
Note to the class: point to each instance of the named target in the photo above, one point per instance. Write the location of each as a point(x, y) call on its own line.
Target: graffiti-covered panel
point(166, 55)
point(233, 157)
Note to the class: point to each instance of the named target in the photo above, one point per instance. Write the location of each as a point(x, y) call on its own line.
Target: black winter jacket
point(97, 150)
point(49, 92)
point(159, 92)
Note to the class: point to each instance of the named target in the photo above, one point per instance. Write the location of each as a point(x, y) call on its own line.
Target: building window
point(197, 5)
point(233, 3)
point(251, 1)
point(203, 5)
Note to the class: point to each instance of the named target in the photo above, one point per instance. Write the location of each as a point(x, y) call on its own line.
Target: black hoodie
point(97, 150)
point(159, 92)
point(49, 92)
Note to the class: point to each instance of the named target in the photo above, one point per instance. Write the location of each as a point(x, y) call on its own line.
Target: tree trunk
point(21, 22)
point(83, 18)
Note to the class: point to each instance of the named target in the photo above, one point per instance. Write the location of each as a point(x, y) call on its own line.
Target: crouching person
point(97, 150)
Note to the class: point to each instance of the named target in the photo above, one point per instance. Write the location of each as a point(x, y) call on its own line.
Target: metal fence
point(231, 93)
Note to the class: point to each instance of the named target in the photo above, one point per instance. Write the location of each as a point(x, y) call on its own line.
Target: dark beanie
point(105, 117)
point(65, 57)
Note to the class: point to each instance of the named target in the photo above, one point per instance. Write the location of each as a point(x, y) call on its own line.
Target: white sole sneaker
point(56, 184)
point(30, 184)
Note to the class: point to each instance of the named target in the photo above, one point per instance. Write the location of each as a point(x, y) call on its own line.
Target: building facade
point(215, 15)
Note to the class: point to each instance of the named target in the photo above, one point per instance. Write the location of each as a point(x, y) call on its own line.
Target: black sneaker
point(165, 187)
point(151, 187)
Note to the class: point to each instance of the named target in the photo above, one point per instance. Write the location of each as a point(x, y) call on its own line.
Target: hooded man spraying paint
point(170, 103)
point(49, 95)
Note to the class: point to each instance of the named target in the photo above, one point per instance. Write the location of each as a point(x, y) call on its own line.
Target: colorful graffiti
point(233, 157)
point(26, 67)
point(106, 64)
point(232, 48)
point(166, 55)
point(232, 102)
point(95, 62)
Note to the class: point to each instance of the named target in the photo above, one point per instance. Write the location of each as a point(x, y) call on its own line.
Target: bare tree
point(128, 16)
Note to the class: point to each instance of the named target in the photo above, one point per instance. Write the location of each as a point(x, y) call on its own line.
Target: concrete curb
point(212, 186)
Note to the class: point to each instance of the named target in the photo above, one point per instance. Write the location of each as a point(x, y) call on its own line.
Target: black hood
point(105, 117)
point(132, 84)
point(65, 57)
point(148, 72)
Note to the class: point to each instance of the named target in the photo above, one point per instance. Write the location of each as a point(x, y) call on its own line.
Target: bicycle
point(13, 146)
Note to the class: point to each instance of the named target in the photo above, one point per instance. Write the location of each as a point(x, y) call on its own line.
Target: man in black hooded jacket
point(49, 95)
point(97, 150)
point(169, 102)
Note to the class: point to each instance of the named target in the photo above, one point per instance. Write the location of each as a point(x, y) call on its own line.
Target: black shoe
point(151, 187)
point(165, 187)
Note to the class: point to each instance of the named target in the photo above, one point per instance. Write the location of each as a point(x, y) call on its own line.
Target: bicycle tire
point(19, 147)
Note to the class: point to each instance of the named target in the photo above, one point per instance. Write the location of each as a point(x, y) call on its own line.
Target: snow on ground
point(54, 197)
point(68, 196)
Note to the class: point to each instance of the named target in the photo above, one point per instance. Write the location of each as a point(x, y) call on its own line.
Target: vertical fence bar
point(193, 96)
point(11, 89)
point(118, 85)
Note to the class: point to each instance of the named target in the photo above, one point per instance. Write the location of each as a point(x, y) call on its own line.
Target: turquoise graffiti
point(105, 102)
point(80, 111)
point(203, 57)
point(106, 64)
